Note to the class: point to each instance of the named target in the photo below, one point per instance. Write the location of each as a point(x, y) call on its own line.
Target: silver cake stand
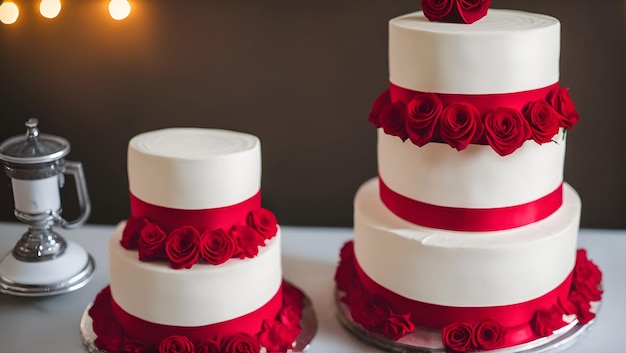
point(429, 341)
point(308, 322)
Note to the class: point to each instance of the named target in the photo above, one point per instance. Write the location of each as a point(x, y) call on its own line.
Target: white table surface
point(51, 324)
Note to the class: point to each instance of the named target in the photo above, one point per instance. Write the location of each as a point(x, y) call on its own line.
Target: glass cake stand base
point(429, 341)
point(308, 322)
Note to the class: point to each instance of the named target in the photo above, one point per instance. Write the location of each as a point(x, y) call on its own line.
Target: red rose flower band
point(467, 329)
point(502, 121)
point(211, 236)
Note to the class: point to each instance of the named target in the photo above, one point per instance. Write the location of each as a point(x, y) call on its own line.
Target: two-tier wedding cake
point(197, 266)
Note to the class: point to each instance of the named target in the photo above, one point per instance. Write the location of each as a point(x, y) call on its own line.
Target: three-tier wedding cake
point(469, 230)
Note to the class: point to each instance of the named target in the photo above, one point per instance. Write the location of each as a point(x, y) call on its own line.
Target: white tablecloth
point(51, 324)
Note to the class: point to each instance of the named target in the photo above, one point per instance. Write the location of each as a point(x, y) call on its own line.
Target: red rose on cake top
point(467, 11)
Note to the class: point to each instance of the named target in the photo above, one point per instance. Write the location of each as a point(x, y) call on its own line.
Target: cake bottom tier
point(242, 302)
point(505, 284)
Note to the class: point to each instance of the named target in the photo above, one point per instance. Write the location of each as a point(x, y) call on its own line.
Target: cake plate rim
point(301, 344)
point(559, 341)
point(75, 282)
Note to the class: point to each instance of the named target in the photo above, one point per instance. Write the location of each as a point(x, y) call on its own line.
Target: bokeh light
point(50, 8)
point(119, 9)
point(9, 12)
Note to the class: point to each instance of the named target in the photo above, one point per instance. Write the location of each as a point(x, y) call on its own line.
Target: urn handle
point(76, 170)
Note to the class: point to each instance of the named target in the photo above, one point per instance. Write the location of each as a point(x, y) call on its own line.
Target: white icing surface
point(202, 295)
point(506, 51)
point(464, 268)
point(193, 168)
point(476, 177)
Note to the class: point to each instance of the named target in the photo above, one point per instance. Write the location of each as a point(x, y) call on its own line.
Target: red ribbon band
point(152, 334)
point(470, 219)
point(438, 316)
point(169, 219)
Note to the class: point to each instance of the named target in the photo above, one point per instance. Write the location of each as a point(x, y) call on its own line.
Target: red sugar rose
point(176, 344)
point(290, 316)
point(422, 117)
point(472, 10)
point(585, 270)
point(182, 247)
point(545, 322)
point(208, 346)
point(506, 130)
point(467, 11)
point(346, 278)
point(561, 101)
point(264, 222)
point(248, 241)
point(590, 291)
point(293, 298)
point(392, 119)
point(587, 277)
point(488, 335)
point(217, 246)
point(151, 243)
point(370, 311)
point(110, 336)
point(275, 336)
point(457, 336)
point(379, 105)
point(436, 10)
point(583, 307)
point(566, 306)
point(460, 125)
point(347, 251)
point(130, 346)
point(130, 235)
point(396, 326)
point(543, 121)
point(240, 343)
point(353, 298)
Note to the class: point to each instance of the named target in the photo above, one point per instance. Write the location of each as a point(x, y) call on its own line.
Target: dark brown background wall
point(301, 75)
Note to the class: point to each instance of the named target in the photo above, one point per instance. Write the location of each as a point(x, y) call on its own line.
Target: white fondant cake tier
point(477, 177)
point(202, 295)
point(464, 269)
point(506, 51)
point(194, 168)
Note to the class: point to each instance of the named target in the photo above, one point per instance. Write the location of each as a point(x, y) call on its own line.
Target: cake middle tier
point(202, 295)
point(464, 269)
point(476, 178)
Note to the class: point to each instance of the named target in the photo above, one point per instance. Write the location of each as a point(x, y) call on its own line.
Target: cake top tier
point(193, 143)
point(505, 51)
point(194, 168)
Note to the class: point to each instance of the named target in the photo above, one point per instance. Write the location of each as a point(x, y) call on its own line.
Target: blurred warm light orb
point(119, 9)
point(50, 8)
point(9, 12)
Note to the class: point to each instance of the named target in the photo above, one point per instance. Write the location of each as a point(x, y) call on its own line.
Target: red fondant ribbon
point(169, 219)
point(483, 102)
point(438, 316)
point(470, 219)
point(152, 334)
